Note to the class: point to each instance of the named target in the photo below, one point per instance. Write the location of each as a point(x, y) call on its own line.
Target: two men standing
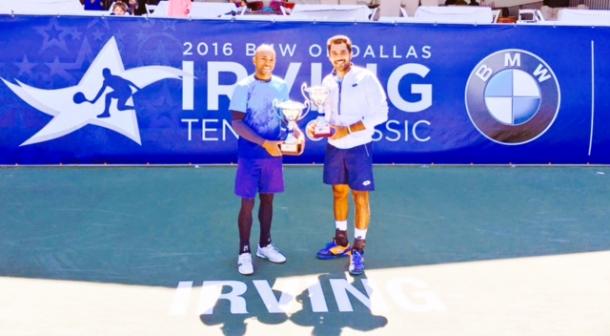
point(356, 104)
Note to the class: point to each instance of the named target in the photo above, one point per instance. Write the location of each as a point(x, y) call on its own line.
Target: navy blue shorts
point(353, 166)
point(265, 176)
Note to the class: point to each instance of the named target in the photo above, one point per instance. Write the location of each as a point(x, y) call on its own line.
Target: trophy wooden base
point(323, 131)
point(291, 149)
point(321, 128)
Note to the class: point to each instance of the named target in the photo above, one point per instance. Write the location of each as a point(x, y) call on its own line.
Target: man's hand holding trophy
point(293, 111)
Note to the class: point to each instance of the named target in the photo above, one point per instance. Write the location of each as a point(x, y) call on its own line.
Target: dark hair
point(338, 39)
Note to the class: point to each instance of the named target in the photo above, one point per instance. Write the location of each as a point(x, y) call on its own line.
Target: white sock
point(341, 225)
point(360, 234)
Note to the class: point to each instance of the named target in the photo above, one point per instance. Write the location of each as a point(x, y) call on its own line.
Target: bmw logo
point(512, 97)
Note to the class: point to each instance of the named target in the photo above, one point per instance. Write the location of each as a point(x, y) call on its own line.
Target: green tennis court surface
point(451, 251)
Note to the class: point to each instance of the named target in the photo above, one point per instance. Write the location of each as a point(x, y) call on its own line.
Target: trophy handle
point(277, 111)
point(307, 104)
point(304, 91)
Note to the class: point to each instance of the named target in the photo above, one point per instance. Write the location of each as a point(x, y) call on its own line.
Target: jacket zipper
point(340, 86)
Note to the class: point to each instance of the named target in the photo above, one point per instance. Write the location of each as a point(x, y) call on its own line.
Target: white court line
point(592, 94)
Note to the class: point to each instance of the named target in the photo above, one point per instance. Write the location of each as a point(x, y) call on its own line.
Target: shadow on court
point(160, 226)
point(331, 322)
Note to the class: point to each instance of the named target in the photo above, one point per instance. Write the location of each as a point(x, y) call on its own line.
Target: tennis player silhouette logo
point(71, 109)
point(122, 91)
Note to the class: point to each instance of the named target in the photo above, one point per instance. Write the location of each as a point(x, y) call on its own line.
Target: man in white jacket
point(356, 104)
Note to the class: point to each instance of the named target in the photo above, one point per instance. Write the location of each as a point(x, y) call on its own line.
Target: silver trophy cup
point(292, 111)
point(317, 96)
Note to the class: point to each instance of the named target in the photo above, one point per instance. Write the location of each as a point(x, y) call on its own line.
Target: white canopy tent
point(448, 14)
point(331, 12)
point(42, 7)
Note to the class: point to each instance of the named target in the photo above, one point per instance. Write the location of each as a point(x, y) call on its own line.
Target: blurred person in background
point(239, 3)
point(180, 8)
point(120, 8)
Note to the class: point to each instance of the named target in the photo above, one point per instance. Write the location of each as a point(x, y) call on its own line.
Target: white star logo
point(75, 107)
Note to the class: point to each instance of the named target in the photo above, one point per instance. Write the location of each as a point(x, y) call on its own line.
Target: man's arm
point(343, 131)
point(376, 111)
point(99, 93)
point(133, 85)
point(237, 122)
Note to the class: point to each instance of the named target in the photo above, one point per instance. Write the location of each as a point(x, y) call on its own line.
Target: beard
point(342, 65)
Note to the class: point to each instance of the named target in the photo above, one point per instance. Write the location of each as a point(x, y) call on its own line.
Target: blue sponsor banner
point(90, 90)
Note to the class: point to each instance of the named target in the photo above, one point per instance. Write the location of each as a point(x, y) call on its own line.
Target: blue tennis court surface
point(451, 251)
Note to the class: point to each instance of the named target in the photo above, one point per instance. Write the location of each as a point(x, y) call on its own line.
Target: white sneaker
point(244, 264)
point(270, 253)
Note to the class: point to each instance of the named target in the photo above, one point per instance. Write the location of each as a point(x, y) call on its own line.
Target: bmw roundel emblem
point(512, 97)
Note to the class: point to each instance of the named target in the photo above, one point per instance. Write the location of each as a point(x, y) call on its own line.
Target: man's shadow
point(335, 321)
point(328, 320)
point(234, 324)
